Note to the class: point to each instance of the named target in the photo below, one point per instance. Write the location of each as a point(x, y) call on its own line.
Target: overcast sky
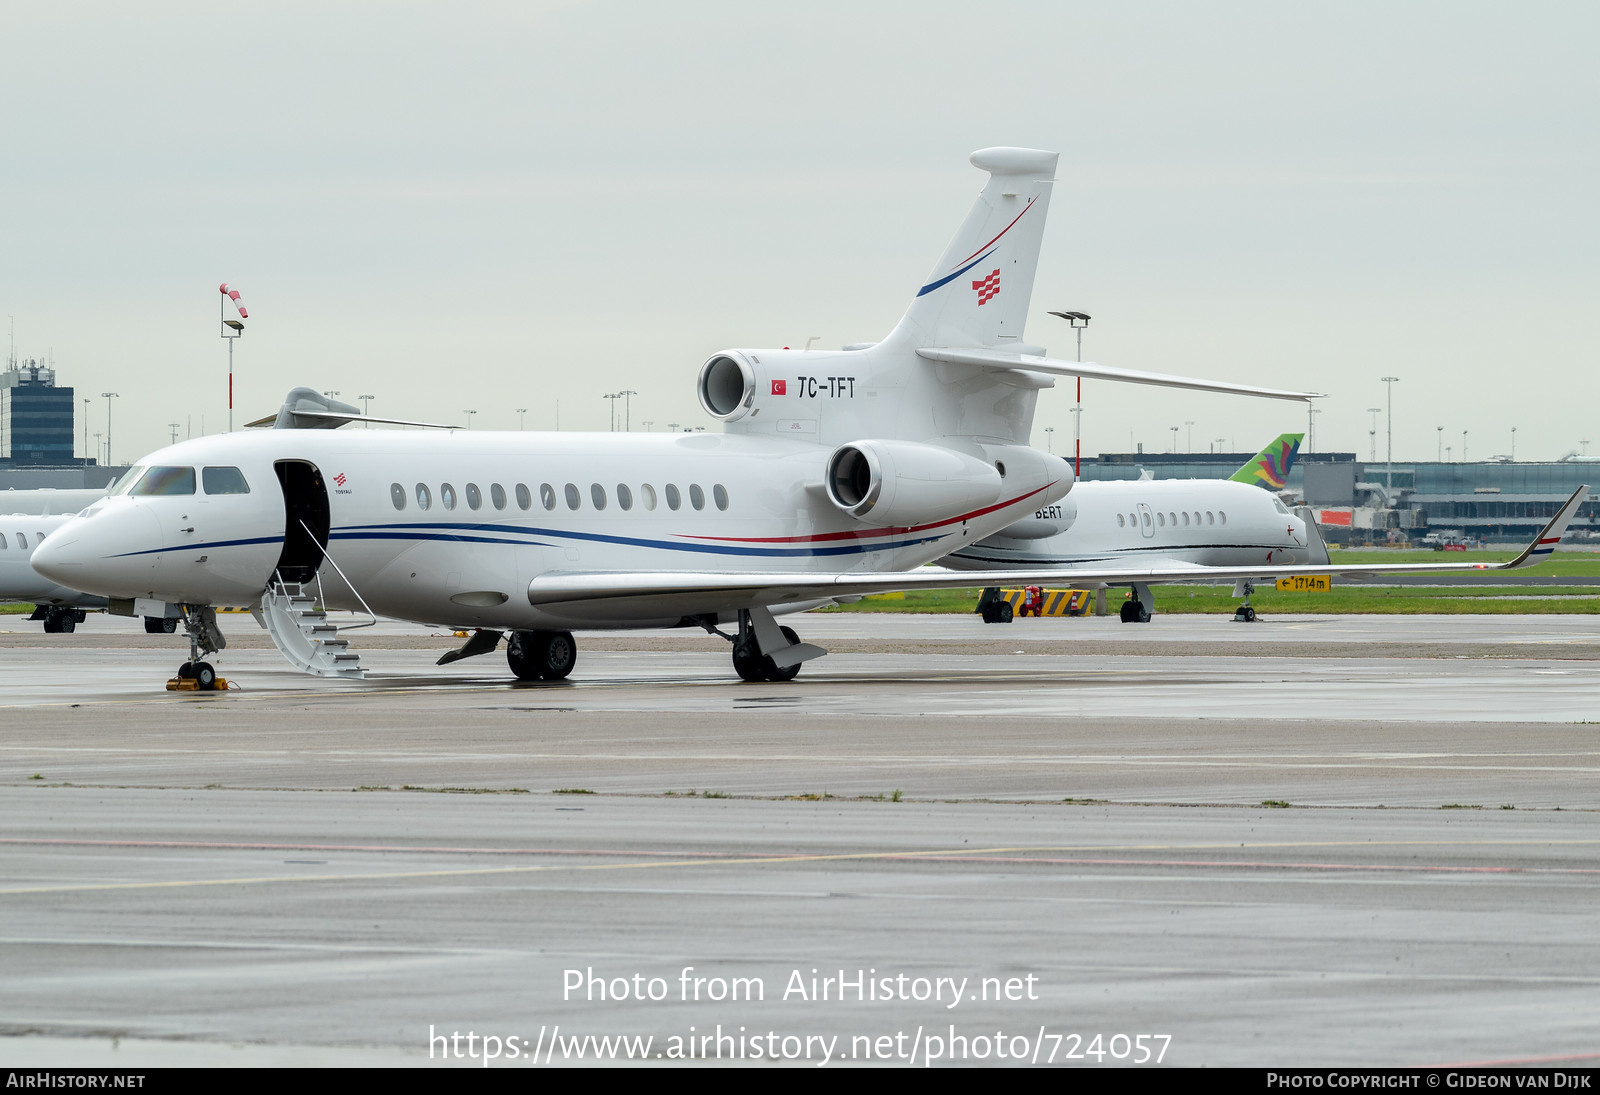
point(493, 206)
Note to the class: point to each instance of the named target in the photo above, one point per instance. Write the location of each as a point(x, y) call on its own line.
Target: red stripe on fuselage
point(862, 535)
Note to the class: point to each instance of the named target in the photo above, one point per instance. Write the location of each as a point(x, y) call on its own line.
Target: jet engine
point(727, 385)
point(902, 483)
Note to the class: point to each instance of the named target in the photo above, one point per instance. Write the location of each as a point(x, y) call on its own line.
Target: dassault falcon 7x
point(838, 472)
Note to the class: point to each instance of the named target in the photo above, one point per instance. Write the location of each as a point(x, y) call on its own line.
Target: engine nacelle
point(727, 385)
point(903, 483)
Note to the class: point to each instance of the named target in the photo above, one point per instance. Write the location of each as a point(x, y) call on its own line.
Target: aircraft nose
point(107, 554)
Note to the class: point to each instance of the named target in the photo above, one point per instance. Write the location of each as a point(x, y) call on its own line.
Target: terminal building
point(1366, 502)
point(36, 417)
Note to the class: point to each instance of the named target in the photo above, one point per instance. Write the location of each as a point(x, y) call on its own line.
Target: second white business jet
point(838, 473)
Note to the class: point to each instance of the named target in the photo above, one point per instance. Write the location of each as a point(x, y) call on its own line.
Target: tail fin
point(978, 294)
point(1269, 468)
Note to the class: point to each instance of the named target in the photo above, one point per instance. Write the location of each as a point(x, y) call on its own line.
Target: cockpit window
point(1281, 507)
point(224, 481)
point(164, 481)
point(129, 478)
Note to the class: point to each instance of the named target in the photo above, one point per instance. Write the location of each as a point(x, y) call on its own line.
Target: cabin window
point(397, 495)
point(524, 498)
point(22, 541)
point(447, 496)
point(624, 496)
point(1173, 517)
point(598, 494)
point(497, 495)
point(1121, 521)
point(1185, 518)
point(574, 499)
point(648, 494)
point(1222, 517)
point(424, 496)
point(673, 499)
point(697, 497)
point(166, 481)
point(1197, 517)
point(2, 541)
point(223, 481)
point(474, 496)
point(719, 494)
point(1211, 518)
point(1147, 520)
point(547, 496)
point(1161, 519)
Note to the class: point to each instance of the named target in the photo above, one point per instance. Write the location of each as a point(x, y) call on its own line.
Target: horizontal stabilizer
point(999, 359)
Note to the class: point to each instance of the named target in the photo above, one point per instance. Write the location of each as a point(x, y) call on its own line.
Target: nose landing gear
point(194, 675)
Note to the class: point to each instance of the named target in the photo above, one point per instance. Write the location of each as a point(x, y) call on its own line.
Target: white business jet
point(1171, 523)
point(61, 609)
point(838, 473)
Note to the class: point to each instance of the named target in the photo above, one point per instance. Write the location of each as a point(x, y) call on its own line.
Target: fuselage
point(20, 537)
point(450, 527)
point(1200, 521)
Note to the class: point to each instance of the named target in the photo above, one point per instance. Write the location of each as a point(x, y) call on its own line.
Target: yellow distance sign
point(1306, 583)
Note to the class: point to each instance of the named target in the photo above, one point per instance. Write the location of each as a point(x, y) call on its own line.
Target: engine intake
point(727, 386)
point(895, 483)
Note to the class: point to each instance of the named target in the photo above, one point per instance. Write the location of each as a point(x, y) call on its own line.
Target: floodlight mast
point(1078, 320)
point(230, 329)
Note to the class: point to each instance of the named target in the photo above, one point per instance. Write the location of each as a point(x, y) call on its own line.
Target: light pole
point(520, 412)
point(1440, 454)
point(647, 424)
point(1372, 435)
point(1311, 426)
point(174, 427)
point(1049, 440)
point(108, 397)
point(469, 413)
point(1188, 434)
point(366, 400)
point(97, 438)
point(614, 396)
point(673, 426)
point(1513, 444)
point(1463, 446)
point(627, 409)
point(1388, 486)
point(1174, 430)
point(231, 329)
point(1078, 320)
point(86, 431)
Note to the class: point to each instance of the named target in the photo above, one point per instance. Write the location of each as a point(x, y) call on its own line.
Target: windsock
point(233, 295)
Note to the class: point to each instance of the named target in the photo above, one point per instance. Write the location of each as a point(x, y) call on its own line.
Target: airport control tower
point(35, 416)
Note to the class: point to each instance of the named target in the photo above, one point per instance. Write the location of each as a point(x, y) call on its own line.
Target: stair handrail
point(348, 585)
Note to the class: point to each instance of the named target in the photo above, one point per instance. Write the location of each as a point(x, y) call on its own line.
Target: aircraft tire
point(204, 676)
point(51, 624)
point(520, 656)
point(788, 673)
point(557, 653)
point(747, 662)
point(155, 625)
point(66, 623)
point(1004, 613)
point(186, 671)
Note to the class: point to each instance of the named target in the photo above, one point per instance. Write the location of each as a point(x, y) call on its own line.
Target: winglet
point(1546, 541)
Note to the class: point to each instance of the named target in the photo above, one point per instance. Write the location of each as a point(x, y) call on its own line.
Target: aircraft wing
point(1032, 363)
point(693, 592)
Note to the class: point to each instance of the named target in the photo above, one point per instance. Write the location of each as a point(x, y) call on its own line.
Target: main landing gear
point(1245, 614)
point(1136, 609)
point(194, 675)
point(58, 621)
point(758, 632)
point(541, 655)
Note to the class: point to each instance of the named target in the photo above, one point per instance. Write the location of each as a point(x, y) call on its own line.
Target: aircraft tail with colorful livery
point(1269, 468)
